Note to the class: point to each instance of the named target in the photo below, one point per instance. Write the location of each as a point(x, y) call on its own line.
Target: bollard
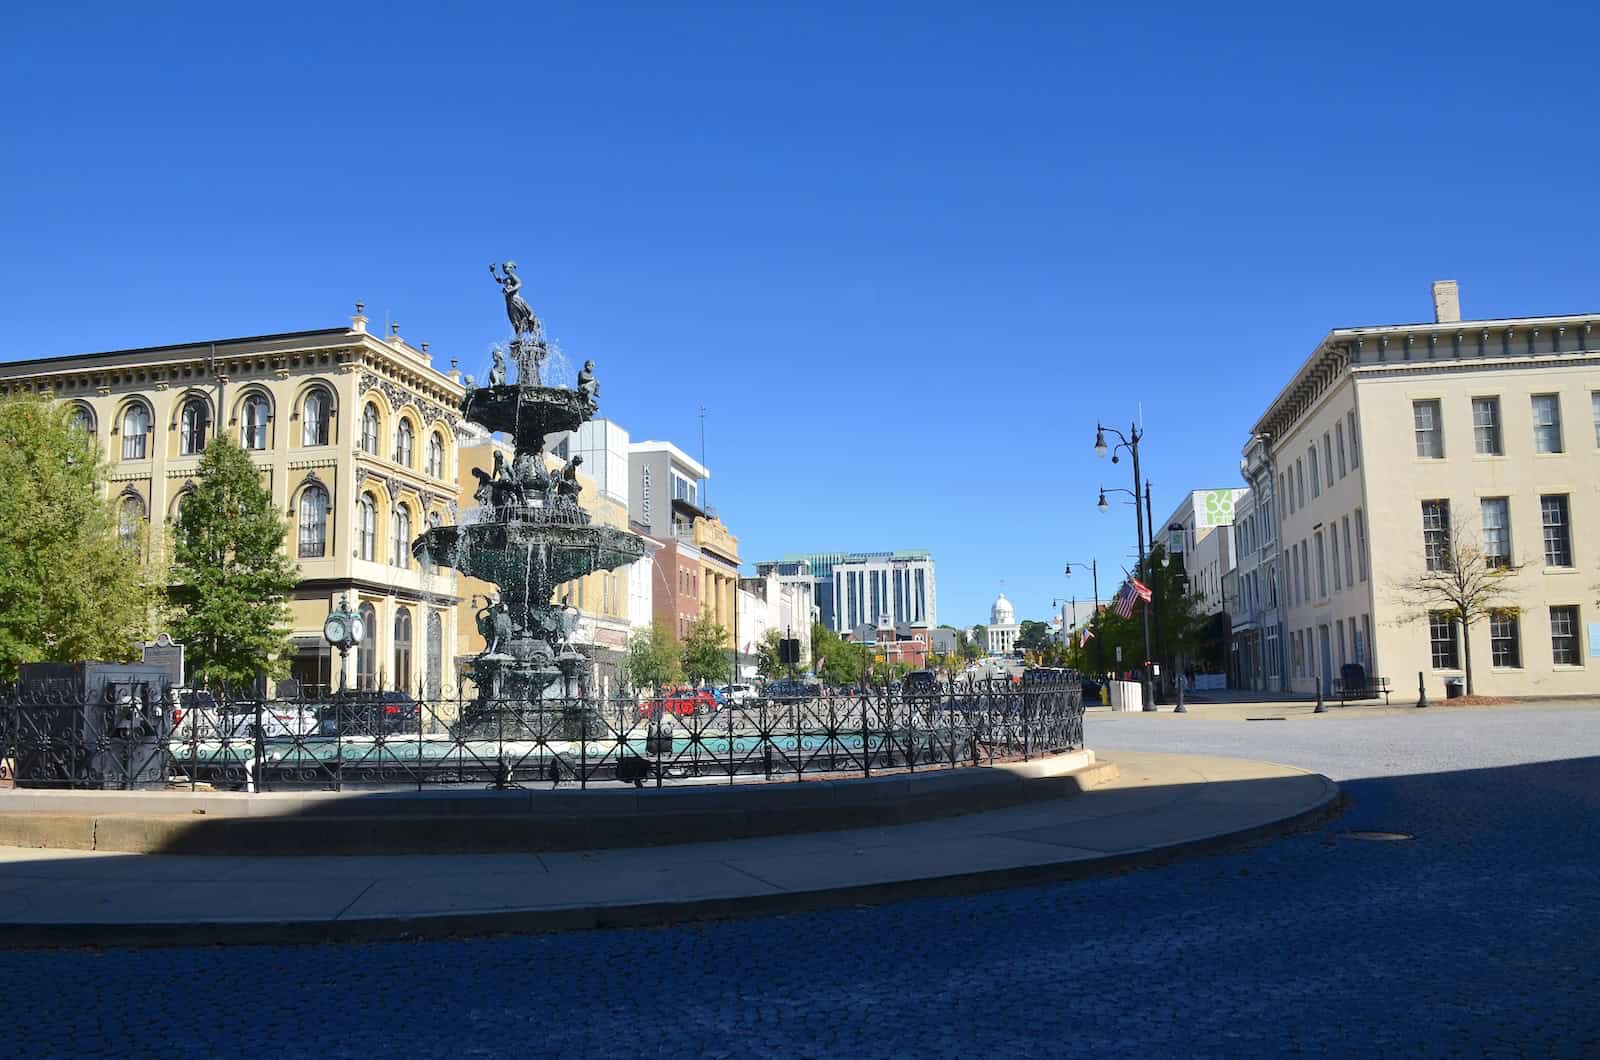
point(1322, 704)
point(1180, 708)
point(1422, 691)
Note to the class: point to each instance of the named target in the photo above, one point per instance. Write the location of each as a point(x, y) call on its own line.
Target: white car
point(737, 695)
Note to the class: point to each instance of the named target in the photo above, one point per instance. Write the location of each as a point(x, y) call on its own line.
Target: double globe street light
point(1130, 442)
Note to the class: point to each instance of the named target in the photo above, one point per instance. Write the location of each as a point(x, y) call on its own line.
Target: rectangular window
point(1546, 423)
point(1284, 491)
point(1436, 534)
point(1361, 544)
point(1322, 566)
point(1564, 636)
point(1327, 456)
point(1349, 555)
point(1355, 444)
point(1305, 571)
point(1557, 530)
point(1442, 639)
point(1486, 426)
point(1338, 446)
point(1496, 531)
point(1316, 480)
point(1300, 481)
point(1429, 429)
point(1333, 547)
point(1371, 650)
point(1343, 658)
point(1505, 645)
point(1594, 402)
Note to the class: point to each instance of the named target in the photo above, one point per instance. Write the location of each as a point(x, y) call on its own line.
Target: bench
point(1370, 688)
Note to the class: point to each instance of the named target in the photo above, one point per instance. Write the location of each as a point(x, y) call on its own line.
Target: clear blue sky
point(904, 254)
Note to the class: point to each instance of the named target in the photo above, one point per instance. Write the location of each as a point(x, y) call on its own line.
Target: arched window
point(400, 547)
point(313, 521)
point(435, 455)
point(428, 565)
point(177, 515)
point(83, 418)
point(369, 429)
point(129, 515)
point(367, 649)
point(403, 438)
point(253, 428)
point(192, 424)
point(315, 416)
point(435, 660)
point(136, 432)
point(366, 527)
point(402, 648)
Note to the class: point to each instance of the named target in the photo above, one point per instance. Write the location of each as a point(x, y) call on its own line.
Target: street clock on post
point(343, 629)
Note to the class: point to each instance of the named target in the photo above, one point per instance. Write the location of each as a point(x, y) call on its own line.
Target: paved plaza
point(1477, 937)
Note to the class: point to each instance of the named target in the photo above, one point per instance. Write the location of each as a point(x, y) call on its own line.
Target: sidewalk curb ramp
point(523, 821)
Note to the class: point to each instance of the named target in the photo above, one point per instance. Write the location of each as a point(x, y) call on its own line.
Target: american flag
point(1123, 604)
point(1141, 589)
point(1085, 635)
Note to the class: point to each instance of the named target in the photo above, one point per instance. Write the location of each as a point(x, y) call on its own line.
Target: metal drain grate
point(1379, 837)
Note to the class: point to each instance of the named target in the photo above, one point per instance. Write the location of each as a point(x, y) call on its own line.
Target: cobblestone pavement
point(1479, 937)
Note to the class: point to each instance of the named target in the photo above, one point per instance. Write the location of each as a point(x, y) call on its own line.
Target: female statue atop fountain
point(523, 322)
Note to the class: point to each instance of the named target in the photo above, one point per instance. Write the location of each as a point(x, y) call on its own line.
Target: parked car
point(365, 713)
point(682, 703)
point(920, 683)
point(738, 695)
point(790, 689)
point(197, 716)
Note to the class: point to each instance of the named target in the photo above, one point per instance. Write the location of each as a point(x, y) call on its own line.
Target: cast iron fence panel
point(388, 739)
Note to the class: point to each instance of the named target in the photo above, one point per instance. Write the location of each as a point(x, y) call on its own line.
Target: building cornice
point(1409, 348)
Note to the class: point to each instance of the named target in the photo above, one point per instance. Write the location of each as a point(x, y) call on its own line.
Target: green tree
point(838, 661)
point(966, 648)
point(1032, 635)
point(705, 651)
point(70, 589)
point(769, 656)
point(654, 658)
point(230, 577)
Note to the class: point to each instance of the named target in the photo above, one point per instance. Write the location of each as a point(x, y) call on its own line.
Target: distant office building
point(865, 588)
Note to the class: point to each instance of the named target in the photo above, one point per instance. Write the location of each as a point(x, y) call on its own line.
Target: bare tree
point(1465, 584)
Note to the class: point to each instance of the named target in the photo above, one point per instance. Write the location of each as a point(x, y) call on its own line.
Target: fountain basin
point(539, 555)
point(527, 413)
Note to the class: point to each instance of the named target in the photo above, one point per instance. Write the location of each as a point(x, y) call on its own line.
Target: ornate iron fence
point(54, 738)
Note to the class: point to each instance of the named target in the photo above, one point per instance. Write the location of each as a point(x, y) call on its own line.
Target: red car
point(681, 702)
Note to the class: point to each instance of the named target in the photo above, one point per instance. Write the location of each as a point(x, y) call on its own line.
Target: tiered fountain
point(528, 534)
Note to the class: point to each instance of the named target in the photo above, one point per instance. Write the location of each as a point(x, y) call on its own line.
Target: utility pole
point(1155, 592)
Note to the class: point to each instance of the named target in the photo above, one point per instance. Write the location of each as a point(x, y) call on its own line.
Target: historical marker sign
point(167, 653)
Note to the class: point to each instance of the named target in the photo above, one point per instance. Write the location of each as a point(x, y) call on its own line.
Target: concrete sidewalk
point(1161, 805)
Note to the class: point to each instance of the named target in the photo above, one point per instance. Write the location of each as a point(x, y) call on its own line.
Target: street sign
point(166, 653)
point(789, 651)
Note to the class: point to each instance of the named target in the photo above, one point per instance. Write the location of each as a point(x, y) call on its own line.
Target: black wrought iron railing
point(54, 738)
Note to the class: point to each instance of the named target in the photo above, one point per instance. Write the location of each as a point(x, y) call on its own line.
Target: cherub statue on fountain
point(497, 371)
point(588, 385)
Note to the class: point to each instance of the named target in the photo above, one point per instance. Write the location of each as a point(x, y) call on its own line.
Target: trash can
point(1454, 688)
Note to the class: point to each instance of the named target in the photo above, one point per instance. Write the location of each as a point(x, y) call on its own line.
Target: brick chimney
point(1446, 302)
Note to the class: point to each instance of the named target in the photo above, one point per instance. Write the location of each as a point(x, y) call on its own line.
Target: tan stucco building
point(1390, 440)
point(355, 437)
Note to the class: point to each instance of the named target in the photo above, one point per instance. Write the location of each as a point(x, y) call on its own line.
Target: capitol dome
point(1001, 614)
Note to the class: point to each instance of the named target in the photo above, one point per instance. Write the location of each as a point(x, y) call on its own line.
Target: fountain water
point(528, 534)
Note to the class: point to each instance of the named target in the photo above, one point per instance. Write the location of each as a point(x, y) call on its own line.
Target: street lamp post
point(1130, 442)
point(1094, 577)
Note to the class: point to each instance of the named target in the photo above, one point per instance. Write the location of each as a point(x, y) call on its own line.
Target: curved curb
point(531, 821)
point(657, 914)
